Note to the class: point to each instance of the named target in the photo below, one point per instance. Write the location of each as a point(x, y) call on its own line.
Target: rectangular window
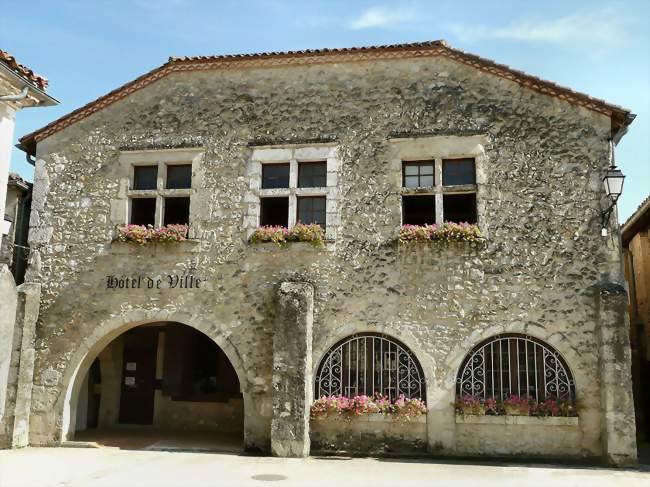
point(145, 177)
point(275, 176)
point(143, 211)
point(457, 172)
point(312, 174)
point(459, 208)
point(418, 210)
point(177, 211)
point(179, 176)
point(417, 174)
point(274, 212)
point(311, 209)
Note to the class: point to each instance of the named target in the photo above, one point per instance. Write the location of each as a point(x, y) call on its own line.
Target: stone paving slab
point(80, 467)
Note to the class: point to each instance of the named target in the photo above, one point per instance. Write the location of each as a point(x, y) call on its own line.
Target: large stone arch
point(109, 329)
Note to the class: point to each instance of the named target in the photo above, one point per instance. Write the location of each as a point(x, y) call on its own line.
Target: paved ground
point(95, 467)
point(148, 439)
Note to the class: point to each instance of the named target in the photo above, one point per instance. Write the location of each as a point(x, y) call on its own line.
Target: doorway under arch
point(159, 385)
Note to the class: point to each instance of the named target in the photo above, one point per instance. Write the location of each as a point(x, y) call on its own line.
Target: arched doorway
point(160, 385)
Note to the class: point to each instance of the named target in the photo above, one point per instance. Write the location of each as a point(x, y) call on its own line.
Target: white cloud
point(605, 27)
point(381, 17)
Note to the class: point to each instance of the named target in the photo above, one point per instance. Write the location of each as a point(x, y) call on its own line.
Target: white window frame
point(162, 159)
point(293, 155)
point(438, 148)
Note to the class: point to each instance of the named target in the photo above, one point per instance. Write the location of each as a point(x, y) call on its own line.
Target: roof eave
point(44, 100)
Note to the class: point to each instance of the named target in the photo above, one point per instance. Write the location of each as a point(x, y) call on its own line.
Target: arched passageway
point(160, 385)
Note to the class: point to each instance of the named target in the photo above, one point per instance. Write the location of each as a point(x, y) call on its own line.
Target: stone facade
point(544, 270)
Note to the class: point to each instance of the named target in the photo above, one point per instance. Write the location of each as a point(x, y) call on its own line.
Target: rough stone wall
point(372, 434)
point(542, 198)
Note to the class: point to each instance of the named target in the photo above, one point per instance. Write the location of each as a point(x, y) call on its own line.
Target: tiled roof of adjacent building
point(638, 221)
point(620, 116)
point(36, 79)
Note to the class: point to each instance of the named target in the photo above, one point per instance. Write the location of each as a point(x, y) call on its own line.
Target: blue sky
point(89, 47)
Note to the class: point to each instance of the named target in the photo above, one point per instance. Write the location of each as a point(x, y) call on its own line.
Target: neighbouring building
point(14, 250)
point(20, 88)
point(226, 332)
point(635, 234)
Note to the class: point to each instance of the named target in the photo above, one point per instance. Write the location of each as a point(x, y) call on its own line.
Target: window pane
point(411, 181)
point(426, 181)
point(177, 211)
point(143, 211)
point(179, 177)
point(312, 210)
point(458, 171)
point(418, 174)
point(418, 210)
point(312, 174)
point(410, 169)
point(274, 211)
point(459, 208)
point(144, 177)
point(275, 176)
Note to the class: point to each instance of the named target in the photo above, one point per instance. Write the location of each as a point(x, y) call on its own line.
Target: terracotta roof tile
point(37, 80)
point(620, 116)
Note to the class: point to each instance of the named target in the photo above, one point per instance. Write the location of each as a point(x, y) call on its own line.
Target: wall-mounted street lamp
point(613, 181)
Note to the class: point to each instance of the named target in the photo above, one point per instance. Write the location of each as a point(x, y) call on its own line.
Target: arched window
point(369, 363)
point(515, 364)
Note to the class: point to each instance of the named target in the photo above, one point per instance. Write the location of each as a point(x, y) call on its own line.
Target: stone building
point(635, 236)
point(218, 333)
point(20, 88)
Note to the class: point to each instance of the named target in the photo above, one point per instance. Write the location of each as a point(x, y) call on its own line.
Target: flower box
point(312, 234)
point(444, 234)
point(513, 405)
point(353, 408)
point(143, 235)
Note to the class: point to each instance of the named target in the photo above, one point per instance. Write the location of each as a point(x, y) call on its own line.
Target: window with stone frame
point(439, 190)
point(159, 194)
point(292, 184)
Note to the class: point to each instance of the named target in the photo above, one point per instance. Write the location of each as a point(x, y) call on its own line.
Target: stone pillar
point(14, 432)
point(8, 298)
point(292, 370)
point(29, 297)
point(619, 430)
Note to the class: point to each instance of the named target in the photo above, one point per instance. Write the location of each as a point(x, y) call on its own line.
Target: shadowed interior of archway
point(161, 385)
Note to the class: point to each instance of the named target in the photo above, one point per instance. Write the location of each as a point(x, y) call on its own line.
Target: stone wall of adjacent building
point(540, 196)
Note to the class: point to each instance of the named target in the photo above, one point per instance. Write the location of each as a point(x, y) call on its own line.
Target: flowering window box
point(146, 234)
point(445, 234)
point(281, 236)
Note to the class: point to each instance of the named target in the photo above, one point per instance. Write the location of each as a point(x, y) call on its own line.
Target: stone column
point(619, 430)
point(14, 432)
point(292, 370)
point(29, 297)
point(8, 298)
